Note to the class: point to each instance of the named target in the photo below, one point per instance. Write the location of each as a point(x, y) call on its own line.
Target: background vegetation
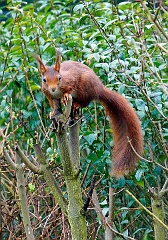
point(126, 45)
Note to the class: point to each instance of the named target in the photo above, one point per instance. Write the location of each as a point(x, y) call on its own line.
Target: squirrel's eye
point(59, 78)
point(44, 80)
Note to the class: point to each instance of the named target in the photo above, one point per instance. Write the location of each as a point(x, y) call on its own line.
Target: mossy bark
point(74, 144)
point(157, 209)
point(76, 216)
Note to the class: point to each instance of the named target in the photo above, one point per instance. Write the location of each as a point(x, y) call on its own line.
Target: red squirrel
point(77, 79)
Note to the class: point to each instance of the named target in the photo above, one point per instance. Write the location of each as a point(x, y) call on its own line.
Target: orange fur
point(84, 85)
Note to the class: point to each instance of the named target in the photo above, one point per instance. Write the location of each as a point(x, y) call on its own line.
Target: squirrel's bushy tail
point(125, 127)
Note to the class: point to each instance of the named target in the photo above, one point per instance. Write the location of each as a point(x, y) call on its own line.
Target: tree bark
point(157, 209)
point(23, 199)
point(75, 206)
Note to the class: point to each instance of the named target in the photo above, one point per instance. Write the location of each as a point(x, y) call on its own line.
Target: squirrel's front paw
point(65, 98)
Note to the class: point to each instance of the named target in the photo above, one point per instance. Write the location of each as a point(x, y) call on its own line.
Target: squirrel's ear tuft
point(58, 61)
point(41, 66)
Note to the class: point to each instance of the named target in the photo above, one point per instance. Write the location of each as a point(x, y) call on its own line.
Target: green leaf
point(31, 187)
point(121, 89)
point(35, 87)
point(9, 92)
point(91, 138)
point(78, 7)
point(140, 183)
point(3, 103)
point(49, 150)
point(138, 174)
point(105, 66)
point(26, 114)
point(141, 105)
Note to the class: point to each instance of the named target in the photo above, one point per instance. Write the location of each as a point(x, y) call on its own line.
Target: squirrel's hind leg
point(74, 115)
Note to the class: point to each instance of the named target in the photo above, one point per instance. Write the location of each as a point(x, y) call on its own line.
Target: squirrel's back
point(84, 81)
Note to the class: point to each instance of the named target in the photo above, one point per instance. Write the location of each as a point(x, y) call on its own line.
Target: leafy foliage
point(128, 51)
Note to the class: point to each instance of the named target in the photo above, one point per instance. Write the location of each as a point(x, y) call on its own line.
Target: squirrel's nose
point(53, 89)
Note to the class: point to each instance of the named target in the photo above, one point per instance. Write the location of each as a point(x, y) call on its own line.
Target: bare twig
point(164, 188)
point(103, 219)
point(145, 158)
point(162, 48)
point(26, 75)
point(149, 212)
point(90, 193)
point(153, 20)
point(85, 174)
point(11, 80)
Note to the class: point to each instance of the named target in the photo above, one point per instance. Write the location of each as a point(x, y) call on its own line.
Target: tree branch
point(9, 160)
point(23, 199)
point(50, 179)
point(27, 162)
point(149, 212)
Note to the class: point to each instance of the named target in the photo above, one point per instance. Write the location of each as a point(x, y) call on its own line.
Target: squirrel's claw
point(65, 98)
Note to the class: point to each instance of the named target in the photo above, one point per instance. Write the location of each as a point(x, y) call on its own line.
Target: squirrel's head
point(51, 77)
